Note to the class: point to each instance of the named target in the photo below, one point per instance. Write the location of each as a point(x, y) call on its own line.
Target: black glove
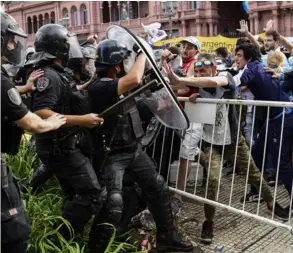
point(136, 49)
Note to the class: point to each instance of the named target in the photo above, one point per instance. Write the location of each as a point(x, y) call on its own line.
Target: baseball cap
point(30, 50)
point(192, 40)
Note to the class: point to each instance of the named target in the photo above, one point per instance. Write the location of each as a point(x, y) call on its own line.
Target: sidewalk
point(234, 233)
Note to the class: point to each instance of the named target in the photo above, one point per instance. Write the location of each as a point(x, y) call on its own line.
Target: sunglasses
point(206, 63)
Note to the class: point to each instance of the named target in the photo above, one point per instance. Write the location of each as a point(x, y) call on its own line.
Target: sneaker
point(207, 232)
point(251, 197)
point(176, 206)
point(280, 212)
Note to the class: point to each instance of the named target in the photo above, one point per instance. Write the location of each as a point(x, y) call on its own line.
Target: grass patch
point(44, 210)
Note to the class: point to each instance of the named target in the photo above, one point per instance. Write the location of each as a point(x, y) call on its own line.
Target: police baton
point(134, 94)
point(112, 109)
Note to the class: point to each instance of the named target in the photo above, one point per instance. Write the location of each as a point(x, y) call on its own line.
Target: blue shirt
point(286, 67)
point(263, 86)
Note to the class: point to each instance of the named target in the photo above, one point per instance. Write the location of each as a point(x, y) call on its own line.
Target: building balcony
point(80, 29)
point(127, 23)
point(263, 6)
point(263, 3)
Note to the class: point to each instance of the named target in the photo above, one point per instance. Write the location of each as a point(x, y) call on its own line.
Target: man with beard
point(271, 43)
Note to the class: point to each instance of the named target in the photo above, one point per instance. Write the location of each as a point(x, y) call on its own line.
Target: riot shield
point(163, 103)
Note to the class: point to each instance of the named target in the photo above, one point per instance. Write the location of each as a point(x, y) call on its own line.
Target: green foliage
point(44, 210)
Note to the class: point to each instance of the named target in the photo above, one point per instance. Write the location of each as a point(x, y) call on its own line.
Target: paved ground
point(235, 233)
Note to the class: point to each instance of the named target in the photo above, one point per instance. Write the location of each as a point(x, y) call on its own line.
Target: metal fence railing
point(196, 181)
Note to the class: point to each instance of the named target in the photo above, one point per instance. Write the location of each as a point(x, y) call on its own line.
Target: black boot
point(171, 241)
point(167, 238)
point(100, 236)
point(41, 175)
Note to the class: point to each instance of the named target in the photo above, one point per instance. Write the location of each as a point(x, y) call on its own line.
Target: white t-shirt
point(221, 124)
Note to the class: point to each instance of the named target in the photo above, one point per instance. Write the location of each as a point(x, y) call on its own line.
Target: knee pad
point(114, 207)
point(92, 201)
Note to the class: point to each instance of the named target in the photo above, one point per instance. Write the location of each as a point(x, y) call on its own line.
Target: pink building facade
point(192, 17)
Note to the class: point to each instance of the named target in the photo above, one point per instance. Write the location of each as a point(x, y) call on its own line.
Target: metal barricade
point(164, 149)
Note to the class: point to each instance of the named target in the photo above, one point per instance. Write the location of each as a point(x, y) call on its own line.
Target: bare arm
point(252, 39)
point(34, 124)
point(22, 89)
point(178, 83)
point(30, 82)
point(88, 83)
point(204, 82)
point(133, 78)
point(88, 120)
point(244, 29)
point(287, 44)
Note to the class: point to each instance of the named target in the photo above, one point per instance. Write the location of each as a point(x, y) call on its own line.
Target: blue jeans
point(248, 129)
point(273, 145)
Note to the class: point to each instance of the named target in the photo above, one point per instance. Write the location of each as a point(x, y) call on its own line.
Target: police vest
point(71, 101)
point(10, 132)
point(128, 130)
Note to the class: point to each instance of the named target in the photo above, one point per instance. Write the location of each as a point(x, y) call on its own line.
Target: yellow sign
point(207, 44)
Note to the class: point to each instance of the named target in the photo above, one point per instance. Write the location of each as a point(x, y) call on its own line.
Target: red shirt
point(192, 90)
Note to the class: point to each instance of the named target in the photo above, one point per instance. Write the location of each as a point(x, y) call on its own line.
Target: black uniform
point(126, 155)
point(15, 227)
point(72, 168)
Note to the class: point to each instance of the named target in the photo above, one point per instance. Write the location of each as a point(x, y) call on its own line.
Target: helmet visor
point(16, 50)
point(74, 50)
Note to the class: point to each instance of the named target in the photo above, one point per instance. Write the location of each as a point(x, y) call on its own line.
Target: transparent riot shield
point(162, 102)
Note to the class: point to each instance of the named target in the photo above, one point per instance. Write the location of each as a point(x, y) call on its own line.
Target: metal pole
point(232, 209)
point(170, 26)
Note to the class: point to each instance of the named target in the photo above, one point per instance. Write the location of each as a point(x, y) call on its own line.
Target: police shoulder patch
point(42, 83)
point(14, 96)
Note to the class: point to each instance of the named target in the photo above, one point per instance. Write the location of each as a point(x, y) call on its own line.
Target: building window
point(124, 12)
point(195, 5)
point(74, 16)
point(29, 25)
point(52, 17)
point(65, 13)
point(83, 15)
point(106, 12)
point(35, 24)
point(41, 22)
point(47, 18)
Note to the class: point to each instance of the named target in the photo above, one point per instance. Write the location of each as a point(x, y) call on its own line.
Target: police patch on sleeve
point(14, 96)
point(42, 83)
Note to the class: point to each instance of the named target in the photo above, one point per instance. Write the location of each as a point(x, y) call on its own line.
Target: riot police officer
point(78, 70)
point(60, 150)
point(15, 227)
point(126, 153)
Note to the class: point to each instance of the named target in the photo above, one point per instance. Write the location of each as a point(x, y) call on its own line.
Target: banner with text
point(207, 44)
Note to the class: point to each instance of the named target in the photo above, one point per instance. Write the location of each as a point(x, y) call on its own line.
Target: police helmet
point(110, 53)
point(57, 41)
point(12, 33)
